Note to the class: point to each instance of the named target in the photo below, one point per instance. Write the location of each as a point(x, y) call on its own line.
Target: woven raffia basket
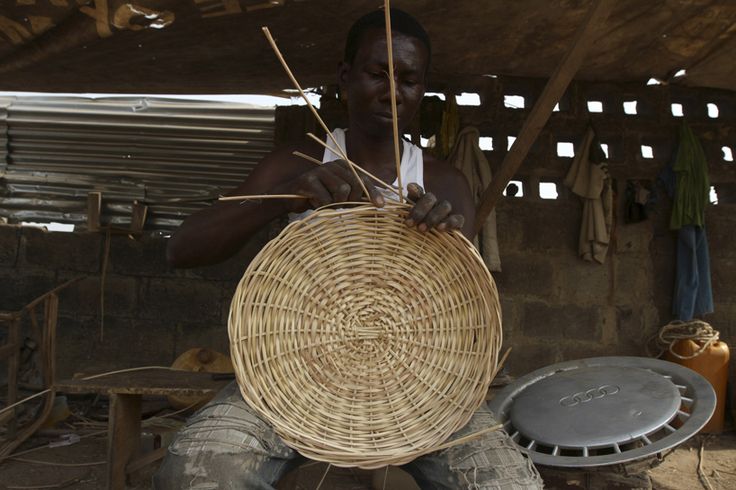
point(363, 341)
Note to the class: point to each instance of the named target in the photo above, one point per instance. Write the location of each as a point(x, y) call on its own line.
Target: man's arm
point(217, 232)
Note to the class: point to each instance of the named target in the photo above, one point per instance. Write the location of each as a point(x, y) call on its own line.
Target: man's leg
point(490, 462)
point(225, 446)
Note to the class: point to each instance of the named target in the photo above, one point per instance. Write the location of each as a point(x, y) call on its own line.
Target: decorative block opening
point(604, 147)
point(630, 107)
point(485, 143)
point(712, 110)
point(727, 154)
point(565, 149)
point(468, 98)
point(677, 110)
point(595, 106)
point(548, 190)
point(647, 151)
point(510, 142)
point(713, 196)
point(514, 189)
point(513, 101)
point(439, 95)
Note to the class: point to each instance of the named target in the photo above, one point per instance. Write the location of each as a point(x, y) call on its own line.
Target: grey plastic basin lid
point(603, 410)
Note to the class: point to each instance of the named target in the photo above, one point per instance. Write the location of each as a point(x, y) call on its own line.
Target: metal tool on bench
point(604, 410)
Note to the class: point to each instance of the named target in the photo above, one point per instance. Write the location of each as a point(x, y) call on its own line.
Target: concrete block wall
point(152, 312)
point(555, 306)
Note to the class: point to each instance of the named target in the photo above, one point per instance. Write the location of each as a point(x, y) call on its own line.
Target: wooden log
point(123, 442)
point(585, 37)
point(94, 210)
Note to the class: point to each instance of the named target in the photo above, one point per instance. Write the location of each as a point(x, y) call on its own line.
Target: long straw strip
point(311, 107)
point(306, 157)
point(20, 402)
point(108, 373)
point(460, 440)
point(500, 364)
point(51, 463)
point(357, 167)
point(251, 197)
point(324, 475)
point(392, 87)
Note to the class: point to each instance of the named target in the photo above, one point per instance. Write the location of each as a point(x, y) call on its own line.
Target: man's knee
point(225, 445)
point(222, 471)
point(490, 463)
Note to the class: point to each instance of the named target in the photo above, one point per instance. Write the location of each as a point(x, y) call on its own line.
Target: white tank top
point(412, 166)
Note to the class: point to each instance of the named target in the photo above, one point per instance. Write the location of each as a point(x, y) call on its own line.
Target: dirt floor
point(680, 469)
point(81, 466)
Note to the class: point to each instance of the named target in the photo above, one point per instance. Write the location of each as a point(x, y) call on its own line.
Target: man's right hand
point(329, 183)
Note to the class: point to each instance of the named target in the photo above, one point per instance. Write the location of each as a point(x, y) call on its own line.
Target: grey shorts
point(225, 445)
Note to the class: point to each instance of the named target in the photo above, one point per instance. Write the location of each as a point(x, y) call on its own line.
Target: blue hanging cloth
point(693, 296)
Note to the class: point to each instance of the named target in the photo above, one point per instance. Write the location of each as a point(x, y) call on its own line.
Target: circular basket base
point(363, 341)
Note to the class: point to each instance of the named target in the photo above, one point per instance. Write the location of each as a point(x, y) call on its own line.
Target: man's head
point(400, 22)
point(363, 75)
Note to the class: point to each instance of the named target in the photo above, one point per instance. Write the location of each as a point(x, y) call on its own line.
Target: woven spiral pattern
point(363, 341)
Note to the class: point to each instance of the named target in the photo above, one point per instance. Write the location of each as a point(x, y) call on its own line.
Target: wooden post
point(13, 365)
point(586, 35)
point(123, 440)
point(138, 217)
point(94, 208)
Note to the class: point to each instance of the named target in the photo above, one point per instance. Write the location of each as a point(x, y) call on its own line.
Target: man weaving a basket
point(228, 444)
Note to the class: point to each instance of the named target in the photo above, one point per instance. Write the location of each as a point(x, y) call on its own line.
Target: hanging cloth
point(692, 188)
point(470, 160)
point(588, 178)
point(693, 295)
point(448, 135)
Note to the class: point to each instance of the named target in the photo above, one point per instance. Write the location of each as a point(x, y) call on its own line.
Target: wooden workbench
point(125, 391)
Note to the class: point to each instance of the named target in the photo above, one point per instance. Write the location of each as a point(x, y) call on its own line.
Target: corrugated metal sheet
point(170, 154)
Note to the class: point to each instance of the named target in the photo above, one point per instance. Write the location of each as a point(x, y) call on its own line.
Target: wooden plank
point(8, 350)
point(51, 306)
point(94, 210)
point(585, 37)
point(147, 382)
point(123, 441)
point(7, 316)
point(138, 217)
point(56, 290)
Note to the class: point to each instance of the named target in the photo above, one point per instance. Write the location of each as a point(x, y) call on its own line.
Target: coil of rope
point(696, 330)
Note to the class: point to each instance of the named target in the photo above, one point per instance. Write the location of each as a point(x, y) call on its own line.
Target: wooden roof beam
point(587, 33)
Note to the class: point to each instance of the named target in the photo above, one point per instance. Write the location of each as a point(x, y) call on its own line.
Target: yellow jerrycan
point(712, 364)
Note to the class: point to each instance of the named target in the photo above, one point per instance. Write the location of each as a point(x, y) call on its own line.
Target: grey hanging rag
point(588, 178)
point(467, 156)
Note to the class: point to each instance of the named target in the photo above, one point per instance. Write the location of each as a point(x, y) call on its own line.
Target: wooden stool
point(124, 423)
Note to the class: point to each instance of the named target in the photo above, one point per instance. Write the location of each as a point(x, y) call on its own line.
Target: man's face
point(366, 82)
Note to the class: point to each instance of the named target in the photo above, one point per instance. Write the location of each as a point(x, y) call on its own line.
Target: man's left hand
point(429, 212)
